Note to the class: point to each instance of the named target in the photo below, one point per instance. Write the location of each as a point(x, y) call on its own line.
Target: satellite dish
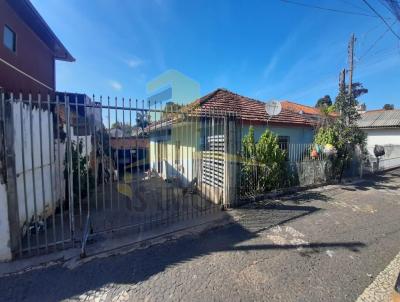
point(273, 108)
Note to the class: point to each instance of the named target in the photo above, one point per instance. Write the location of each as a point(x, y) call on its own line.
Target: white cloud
point(134, 62)
point(115, 85)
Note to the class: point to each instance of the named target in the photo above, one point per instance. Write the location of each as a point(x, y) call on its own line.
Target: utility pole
point(351, 61)
point(342, 83)
point(342, 79)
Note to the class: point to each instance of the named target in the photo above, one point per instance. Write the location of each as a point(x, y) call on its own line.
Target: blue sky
point(262, 49)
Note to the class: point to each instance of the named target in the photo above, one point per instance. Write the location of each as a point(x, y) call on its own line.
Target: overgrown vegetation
point(264, 167)
point(82, 176)
point(343, 132)
point(324, 102)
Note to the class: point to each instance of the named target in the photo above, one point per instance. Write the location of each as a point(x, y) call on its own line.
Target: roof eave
point(67, 57)
point(60, 52)
point(379, 127)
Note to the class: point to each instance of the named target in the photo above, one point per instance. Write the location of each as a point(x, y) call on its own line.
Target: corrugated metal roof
point(380, 119)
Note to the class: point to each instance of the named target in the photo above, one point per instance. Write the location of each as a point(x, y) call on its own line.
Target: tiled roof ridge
point(231, 101)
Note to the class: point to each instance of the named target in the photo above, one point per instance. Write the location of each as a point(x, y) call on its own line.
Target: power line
point(354, 5)
point(375, 43)
point(329, 9)
point(383, 19)
point(393, 7)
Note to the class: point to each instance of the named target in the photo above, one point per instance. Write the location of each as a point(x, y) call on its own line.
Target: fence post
point(226, 167)
point(229, 161)
point(10, 172)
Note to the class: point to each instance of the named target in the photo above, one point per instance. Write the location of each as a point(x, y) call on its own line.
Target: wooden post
point(351, 62)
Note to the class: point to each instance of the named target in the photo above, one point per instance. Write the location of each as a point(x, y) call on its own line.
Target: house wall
point(383, 136)
point(297, 134)
point(191, 138)
point(185, 165)
point(32, 57)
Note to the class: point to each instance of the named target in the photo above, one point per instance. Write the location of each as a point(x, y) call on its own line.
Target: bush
point(264, 167)
point(85, 173)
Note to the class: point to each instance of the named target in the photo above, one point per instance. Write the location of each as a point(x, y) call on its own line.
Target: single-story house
point(382, 128)
point(203, 136)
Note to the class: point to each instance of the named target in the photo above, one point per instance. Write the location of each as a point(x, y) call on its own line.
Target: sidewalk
point(381, 289)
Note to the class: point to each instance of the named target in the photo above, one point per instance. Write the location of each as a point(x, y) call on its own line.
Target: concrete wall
point(5, 252)
point(390, 139)
point(311, 171)
point(390, 160)
point(30, 186)
point(32, 173)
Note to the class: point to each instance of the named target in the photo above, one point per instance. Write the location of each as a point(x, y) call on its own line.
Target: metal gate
point(85, 166)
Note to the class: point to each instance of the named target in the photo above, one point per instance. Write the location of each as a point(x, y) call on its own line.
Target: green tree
point(324, 102)
point(388, 107)
point(344, 133)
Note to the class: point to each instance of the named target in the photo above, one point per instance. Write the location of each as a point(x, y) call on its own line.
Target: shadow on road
point(57, 283)
point(380, 182)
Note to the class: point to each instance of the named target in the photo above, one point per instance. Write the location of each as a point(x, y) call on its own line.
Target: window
point(283, 142)
point(9, 39)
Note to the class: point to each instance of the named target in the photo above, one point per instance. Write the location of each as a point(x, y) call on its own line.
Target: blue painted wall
point(297, 135)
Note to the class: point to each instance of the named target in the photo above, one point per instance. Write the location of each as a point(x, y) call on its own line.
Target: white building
point(383, 128)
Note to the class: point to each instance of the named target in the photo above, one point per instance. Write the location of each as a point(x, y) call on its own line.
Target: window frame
point(14, 35)
point(284, 145)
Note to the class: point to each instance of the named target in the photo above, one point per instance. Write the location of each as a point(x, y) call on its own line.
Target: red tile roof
point(297, 108)
point(248, 109)
point(303, 108)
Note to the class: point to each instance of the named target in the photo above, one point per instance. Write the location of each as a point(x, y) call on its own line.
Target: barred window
point(283, 142)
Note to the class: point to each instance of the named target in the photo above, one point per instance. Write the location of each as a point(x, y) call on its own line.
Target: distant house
point(383, 128)
point(216, 123)
point(310, 112)
point(87, 109)
point(28, 49)
point(130, 152)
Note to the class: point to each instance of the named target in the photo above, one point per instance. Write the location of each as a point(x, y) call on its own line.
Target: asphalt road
point(326, 244)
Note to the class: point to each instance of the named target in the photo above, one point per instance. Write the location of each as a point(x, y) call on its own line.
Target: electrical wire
point(383, 19)
point(375, 43)
point(329, 9)
point(354, 5)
